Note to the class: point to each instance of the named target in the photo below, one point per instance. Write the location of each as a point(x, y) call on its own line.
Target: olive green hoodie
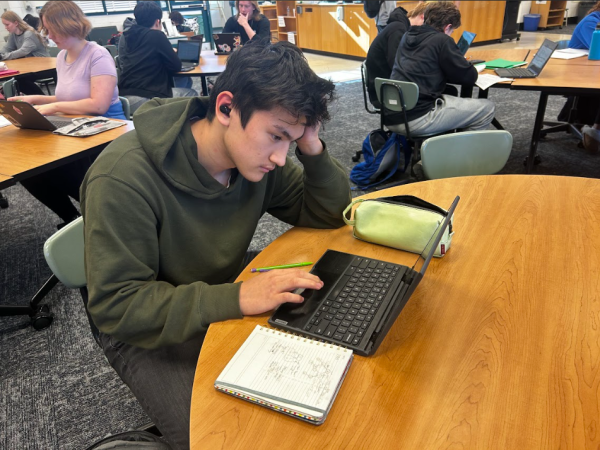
point(163, 238)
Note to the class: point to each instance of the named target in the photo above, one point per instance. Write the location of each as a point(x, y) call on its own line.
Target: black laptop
point(189, 53)
point(24, 115)
point(361, 297)
point(535, 66)
point(226, 43)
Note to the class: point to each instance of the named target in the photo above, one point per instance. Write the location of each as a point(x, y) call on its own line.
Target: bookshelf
point(287, 10)
point(270, 12)
point(552, 13)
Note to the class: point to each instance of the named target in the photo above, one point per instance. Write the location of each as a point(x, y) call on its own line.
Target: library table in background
point(28, 152)
point(498, 347)
point(210, 65)
point(26, 66)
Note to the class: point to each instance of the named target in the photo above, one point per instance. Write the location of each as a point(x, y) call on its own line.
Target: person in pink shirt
point(86, 85)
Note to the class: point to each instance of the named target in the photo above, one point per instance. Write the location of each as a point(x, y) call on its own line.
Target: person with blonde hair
point(23, 40)
point(248, 22)
point(86, 85)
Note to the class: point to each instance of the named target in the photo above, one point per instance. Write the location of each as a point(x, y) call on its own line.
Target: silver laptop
point(189, 53)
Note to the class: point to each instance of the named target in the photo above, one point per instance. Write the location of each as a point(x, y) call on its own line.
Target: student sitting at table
point(178, 22)
point(170, 210)
point(248, 22)
point(147, 60)
point(429, 57)
point(86, 85)
point(588, 107)
point(382, 52)
point(23, 42)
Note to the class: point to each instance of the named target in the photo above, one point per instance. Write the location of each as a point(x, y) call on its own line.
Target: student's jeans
point(451, 113)
point(161, 379)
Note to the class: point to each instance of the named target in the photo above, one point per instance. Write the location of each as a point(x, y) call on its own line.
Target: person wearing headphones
point(248, 22)
point(170, 210)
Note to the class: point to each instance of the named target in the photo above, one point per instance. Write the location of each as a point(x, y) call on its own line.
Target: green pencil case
point(404, 222)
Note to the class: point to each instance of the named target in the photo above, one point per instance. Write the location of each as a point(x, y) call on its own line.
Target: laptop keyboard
point(516, 72)
point(58, 121)
point(350, 307)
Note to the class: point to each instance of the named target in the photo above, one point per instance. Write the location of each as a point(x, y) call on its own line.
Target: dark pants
point(56, 187)
point(161, 379)
point(27, 86)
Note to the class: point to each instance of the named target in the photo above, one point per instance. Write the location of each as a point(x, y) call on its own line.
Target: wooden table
point(564, 78)
point(34, 64)
point(210, 65)
point(499, 346)
point(29, 152)
point(6, 181)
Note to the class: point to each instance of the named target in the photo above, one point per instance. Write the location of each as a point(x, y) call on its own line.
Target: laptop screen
point(427, 253)
point(189, 50)
point(465, 41)
point(542, 56)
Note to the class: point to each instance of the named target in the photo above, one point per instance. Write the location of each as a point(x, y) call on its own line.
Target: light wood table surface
point(498, 347)
point(33, 64)
point(28, 152)
point(210, 65)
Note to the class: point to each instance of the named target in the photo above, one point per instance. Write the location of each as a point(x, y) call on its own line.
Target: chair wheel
point(536, 160)
point(356, 158)
point(42, 318)
point(3, 203)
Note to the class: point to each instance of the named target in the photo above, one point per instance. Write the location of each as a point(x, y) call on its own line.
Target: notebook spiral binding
point(305, 339)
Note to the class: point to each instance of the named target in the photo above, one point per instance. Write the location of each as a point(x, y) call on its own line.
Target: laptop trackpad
point(328, 269)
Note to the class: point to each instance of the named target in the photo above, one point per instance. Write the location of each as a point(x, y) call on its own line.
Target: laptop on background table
point(189, 53)
point(535, 66)
point(24, 115)
point(226, 43)
point(361, 297)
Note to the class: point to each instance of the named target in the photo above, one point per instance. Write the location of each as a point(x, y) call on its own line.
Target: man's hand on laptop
point(270, 289)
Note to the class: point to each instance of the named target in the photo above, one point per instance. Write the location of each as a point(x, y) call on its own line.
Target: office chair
point(465, 153)
point(64, 253)
point(126, 107)
point(112, 49)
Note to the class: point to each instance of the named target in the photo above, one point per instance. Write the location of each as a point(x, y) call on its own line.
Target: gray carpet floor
point(58, 391)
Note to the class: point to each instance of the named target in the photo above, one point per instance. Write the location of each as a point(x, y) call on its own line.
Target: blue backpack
point(382, 152)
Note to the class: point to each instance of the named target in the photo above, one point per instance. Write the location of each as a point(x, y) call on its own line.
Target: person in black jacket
point(382, 53)
point(178, 21)
point(248, 22)
point(429, 57)
point(147, 61)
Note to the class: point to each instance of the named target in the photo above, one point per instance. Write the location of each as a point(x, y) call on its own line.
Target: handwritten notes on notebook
point(291, 374)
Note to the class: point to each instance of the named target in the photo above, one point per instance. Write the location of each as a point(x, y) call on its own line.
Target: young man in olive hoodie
point(170, 210)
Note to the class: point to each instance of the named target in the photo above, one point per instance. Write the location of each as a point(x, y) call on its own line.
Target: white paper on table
point(569, 53)
point(292, 38)
point(4, 122)
point(281, 21)
point(486, 80)
point(479, 67)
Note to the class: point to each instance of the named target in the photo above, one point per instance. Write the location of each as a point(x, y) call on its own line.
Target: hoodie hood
point(399, 15)
point(173, 150)
point(416, 35)
point(134, 34)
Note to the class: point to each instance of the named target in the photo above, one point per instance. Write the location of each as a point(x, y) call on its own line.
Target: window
point(120, 7)
point(91, 7)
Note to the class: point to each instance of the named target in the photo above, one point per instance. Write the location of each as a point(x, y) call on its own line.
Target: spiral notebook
point(288, 373)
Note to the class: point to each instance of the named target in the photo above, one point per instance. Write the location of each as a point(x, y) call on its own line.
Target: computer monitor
point(101, 35)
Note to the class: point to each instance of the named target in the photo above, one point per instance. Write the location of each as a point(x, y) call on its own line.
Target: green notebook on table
point(503, 64)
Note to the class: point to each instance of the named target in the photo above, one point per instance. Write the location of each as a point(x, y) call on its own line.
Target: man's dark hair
point(263, 76)
point(32, 21)
point(176, 17)
point(439, 14)
point(147, 13)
